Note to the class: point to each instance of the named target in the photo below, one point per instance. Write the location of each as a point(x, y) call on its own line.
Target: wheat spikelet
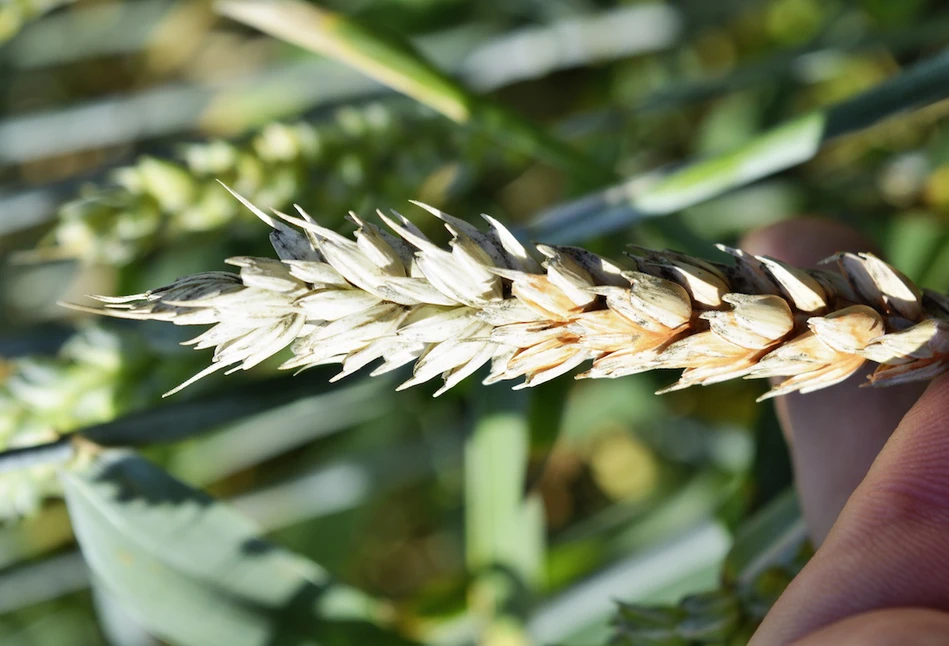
point(538, 312)
point(336, 161)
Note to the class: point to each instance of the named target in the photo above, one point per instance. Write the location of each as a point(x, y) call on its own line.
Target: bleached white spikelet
point(389, 298)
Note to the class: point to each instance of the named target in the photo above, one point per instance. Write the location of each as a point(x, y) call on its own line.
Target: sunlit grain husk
point(384, 299)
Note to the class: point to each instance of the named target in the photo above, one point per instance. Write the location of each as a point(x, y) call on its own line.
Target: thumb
point(890, 546)
point(833, 434)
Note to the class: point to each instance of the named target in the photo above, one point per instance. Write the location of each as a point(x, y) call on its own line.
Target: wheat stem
point(50, 453)
point(539, 311)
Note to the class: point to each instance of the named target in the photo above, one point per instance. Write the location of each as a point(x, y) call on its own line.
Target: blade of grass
point(177, 421)
point(392, 61)
point(688, 560)
point(195, 572)
point(15, 15)
point(281, 89)
point(792, 65)
point(333, 487)
point(86, 31)
point(774, 534)
point(301, 421)
point(49, 579)
point(117, 624)
point(782, 147)
point(572, 42)
point(38, 339)
point(912, 243)
point(504, 531)
point(55, 452)
point(768, 549)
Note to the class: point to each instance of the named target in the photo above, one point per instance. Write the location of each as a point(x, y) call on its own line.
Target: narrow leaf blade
point(192, 571)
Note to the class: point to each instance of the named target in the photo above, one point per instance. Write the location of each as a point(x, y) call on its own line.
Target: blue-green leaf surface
point(194, 572)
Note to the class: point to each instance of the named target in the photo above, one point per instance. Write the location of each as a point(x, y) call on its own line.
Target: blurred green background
point(483, 516)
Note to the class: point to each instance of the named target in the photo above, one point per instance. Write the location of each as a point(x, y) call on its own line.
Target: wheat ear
point(539, 311)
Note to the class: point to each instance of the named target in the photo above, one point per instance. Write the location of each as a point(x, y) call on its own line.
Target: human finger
point(890, 545)
point(835, 433)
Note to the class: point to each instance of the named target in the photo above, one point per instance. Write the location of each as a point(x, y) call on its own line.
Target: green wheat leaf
point(194, 572)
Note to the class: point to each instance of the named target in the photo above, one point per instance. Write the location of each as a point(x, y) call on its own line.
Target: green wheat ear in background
point(273, 508)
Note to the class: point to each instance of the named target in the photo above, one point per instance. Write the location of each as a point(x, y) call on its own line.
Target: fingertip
point(887, 548)
point(834, 434)
point(918, 626)
point(911, 474)
point(930, 409)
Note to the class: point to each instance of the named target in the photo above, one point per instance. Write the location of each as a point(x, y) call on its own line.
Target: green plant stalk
point(799, 140)
point(504, 531)
point(769, 549)
point(787, 64)
point(787, 145)
point(15, 14)
point(773, 535)
point(782, 147)
point(393, 62)
point(523, 136)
